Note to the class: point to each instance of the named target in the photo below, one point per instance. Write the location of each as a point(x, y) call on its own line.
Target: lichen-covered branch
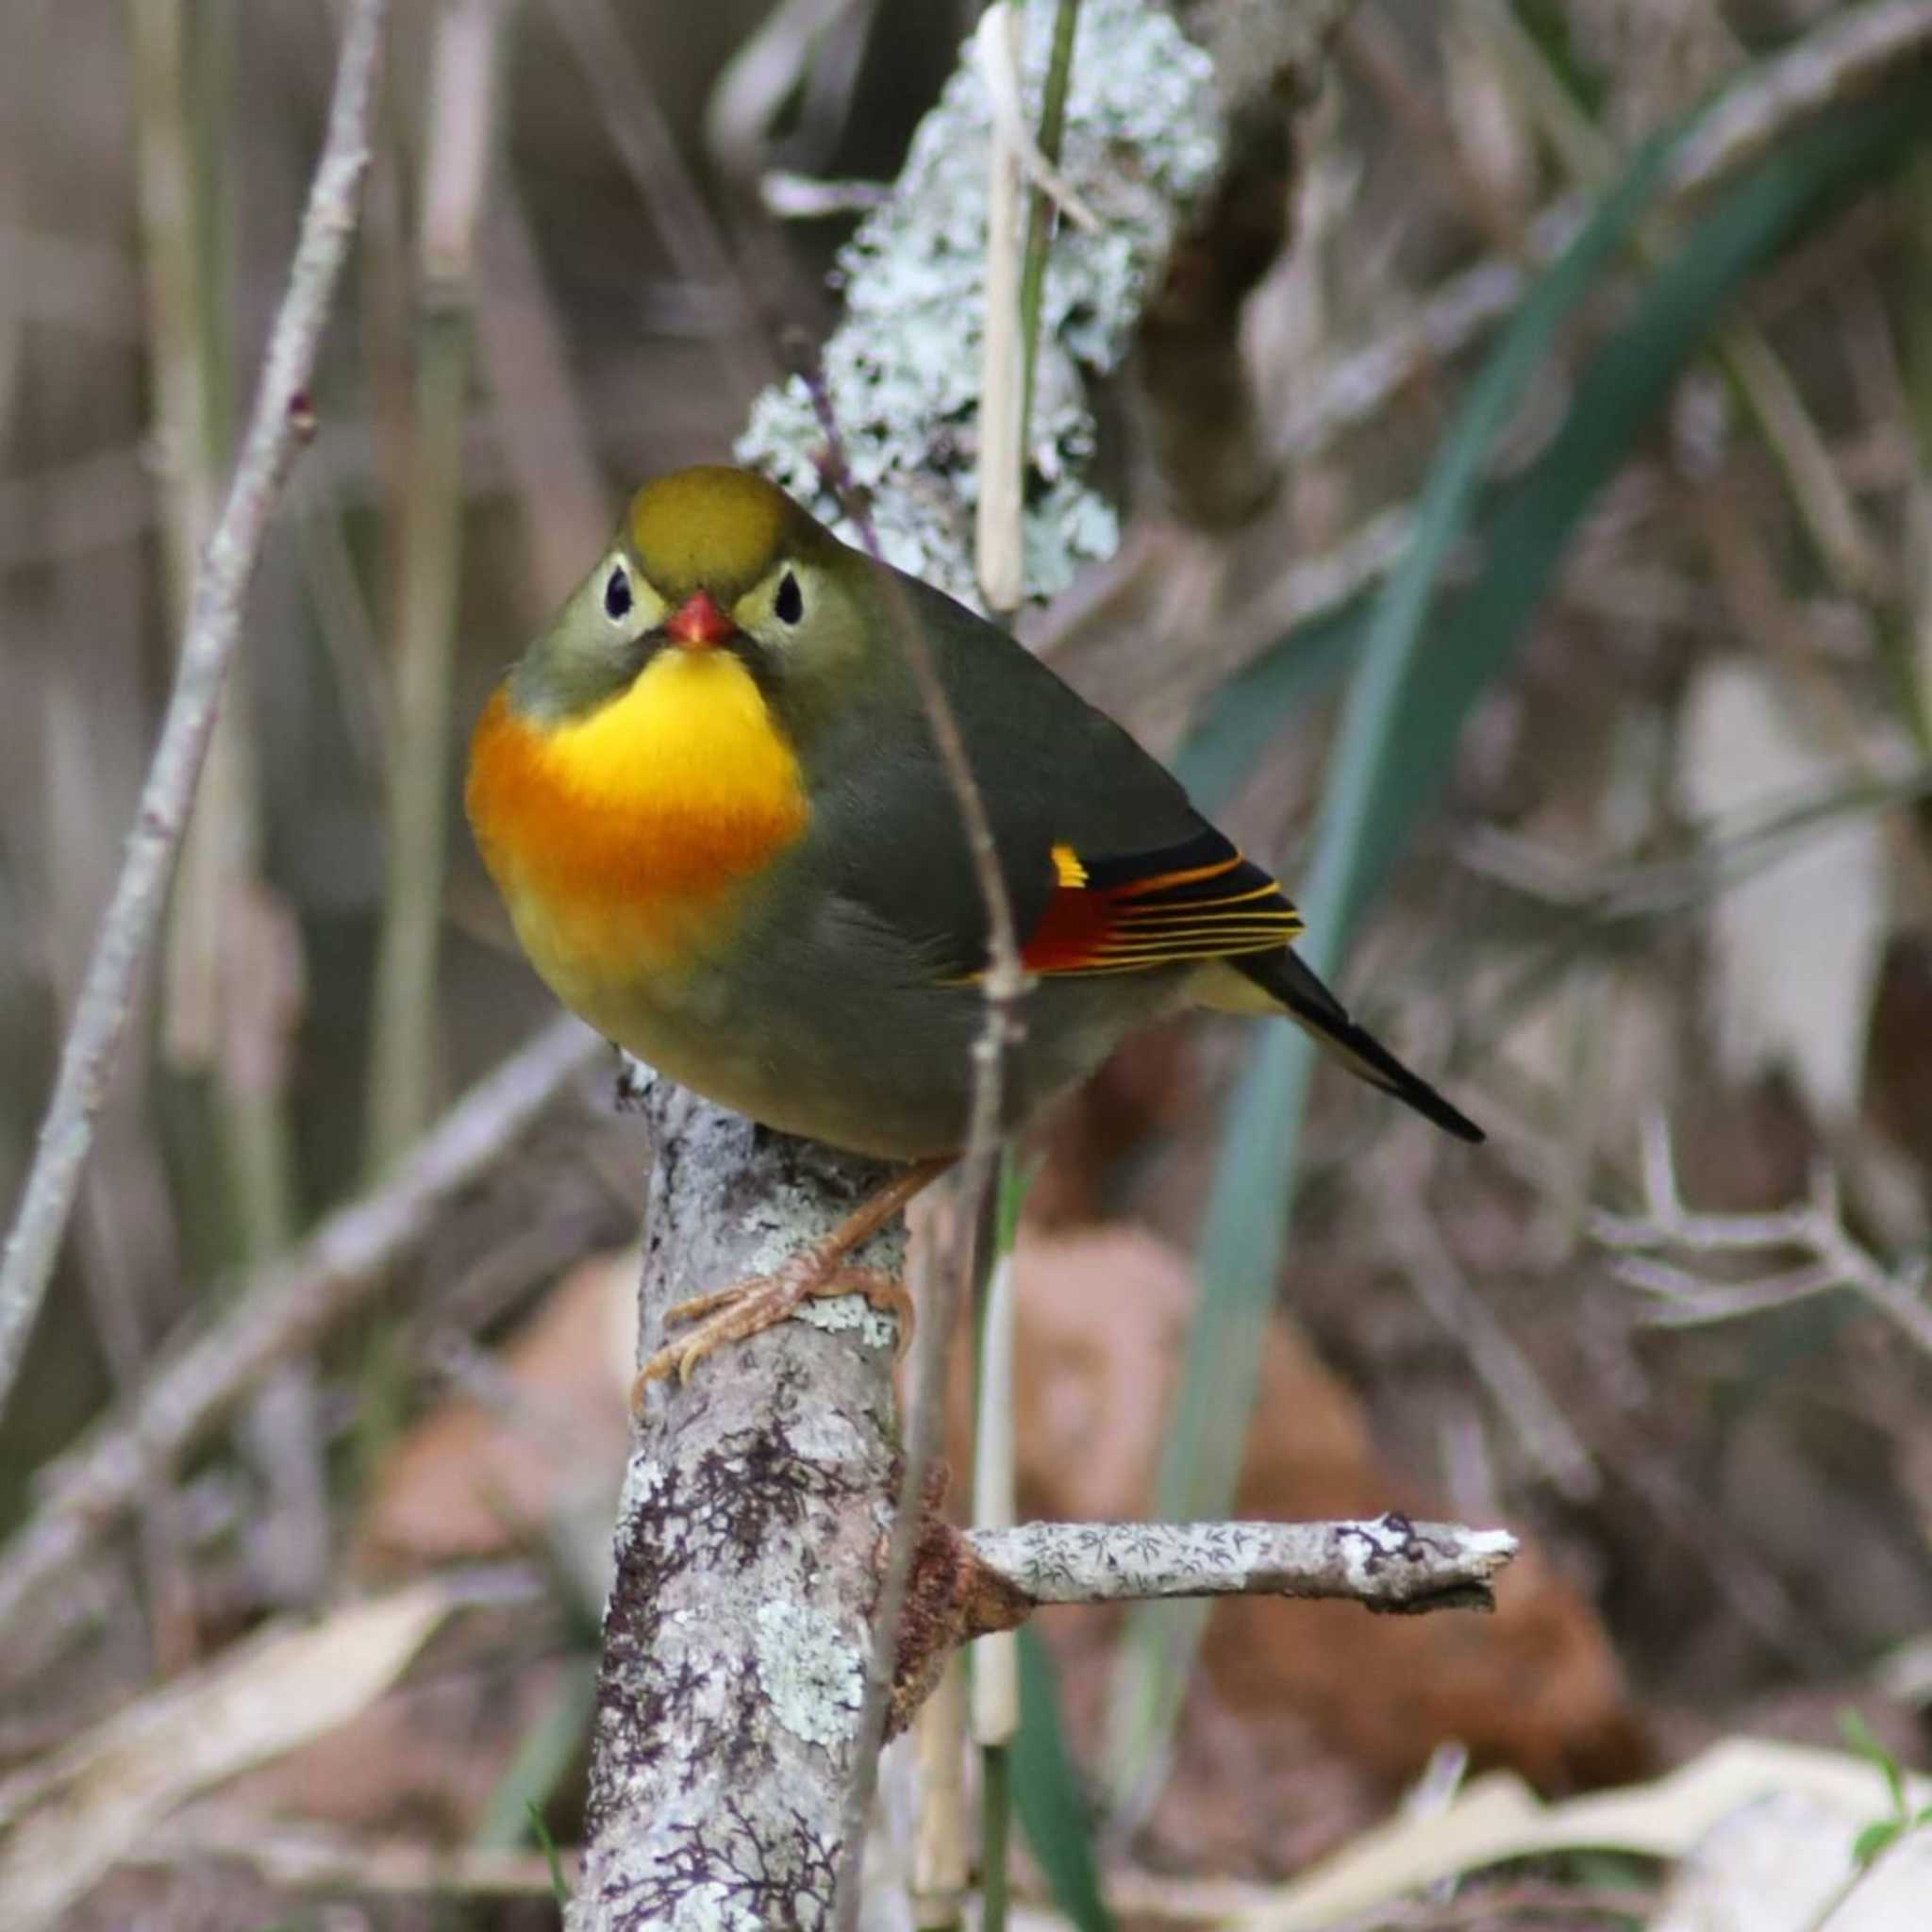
point(1143, 142)
point(972, 1583)
point(1386, 1562)
point(755, 1512)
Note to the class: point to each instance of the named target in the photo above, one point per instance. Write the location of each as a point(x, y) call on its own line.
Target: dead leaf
point(1498, 1817)
point(1101, 1317)
point(1779, 1864)
point(73, 1820)
point(1796, 945)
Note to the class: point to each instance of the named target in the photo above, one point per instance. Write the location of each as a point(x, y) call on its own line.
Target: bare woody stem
point(750, 1540)
point(282, 421)
point(1005, 984)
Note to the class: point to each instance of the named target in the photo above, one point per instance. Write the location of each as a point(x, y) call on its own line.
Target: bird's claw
point(748, 1308)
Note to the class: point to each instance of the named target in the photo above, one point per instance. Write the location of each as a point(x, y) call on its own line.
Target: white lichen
point(643, 1476)
point(903, 370)
point(812, 1676)
point(838, 1314)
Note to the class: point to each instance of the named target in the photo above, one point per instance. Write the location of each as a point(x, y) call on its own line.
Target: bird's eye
point(617, 597)
point(789, 605)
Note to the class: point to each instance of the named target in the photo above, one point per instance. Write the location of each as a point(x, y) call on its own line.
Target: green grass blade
point(1237, 725)
point(1618, 395)
point(1405, 712)
point(1046, 1794)
point(1244, 1233)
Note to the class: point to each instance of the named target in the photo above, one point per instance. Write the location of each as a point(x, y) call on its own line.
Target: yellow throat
point(618, 840)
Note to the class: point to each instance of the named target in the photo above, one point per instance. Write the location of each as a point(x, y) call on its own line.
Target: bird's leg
point(730, 1314)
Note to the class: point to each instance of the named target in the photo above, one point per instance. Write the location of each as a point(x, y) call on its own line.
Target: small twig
point(1385, 1563)
point(998, 537)
point(1005, 983)
point(974, 1583)
point(1015, 281)
point(282, 421)
point(1816, 1230)
point(284, 1309)
point(942, 1839)
point(1501, 1365)
point(635, 121)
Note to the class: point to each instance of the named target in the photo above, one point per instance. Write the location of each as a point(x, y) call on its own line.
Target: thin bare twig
point(1815, 1230)
point(1499, 1364)
point(645, 146)
point(1005, 983)
point(281, 421)
point(979, 1583)
point(283, 1311)
point(998, 537)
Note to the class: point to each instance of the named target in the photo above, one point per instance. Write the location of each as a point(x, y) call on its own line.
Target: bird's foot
point(762, 1301)
point(730, 1314)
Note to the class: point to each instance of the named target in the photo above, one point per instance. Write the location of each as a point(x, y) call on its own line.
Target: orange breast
point(621, 841)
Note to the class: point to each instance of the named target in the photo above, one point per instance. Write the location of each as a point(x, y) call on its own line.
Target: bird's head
point(705, 561)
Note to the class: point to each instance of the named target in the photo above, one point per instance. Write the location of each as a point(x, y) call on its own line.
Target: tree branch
point(1384, 1563)
point(753, 1535)
point(749, 1547)
point(282, 422)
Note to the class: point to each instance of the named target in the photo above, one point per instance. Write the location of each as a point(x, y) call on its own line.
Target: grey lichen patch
point(823, 1436)
point(783, 1224)
point(840, 1313)
point(811, 1675)
point(902, 372)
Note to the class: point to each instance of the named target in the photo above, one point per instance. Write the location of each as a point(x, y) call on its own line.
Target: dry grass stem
point(460, 117)
point(1005, 983)
point(282, 421)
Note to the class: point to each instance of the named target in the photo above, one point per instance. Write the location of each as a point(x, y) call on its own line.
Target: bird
point(710, 797)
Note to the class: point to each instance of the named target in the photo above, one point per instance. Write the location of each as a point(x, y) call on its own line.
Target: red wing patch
point(1200, 900)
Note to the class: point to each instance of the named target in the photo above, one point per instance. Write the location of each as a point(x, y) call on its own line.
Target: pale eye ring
point(617, 595)
point(788, 606)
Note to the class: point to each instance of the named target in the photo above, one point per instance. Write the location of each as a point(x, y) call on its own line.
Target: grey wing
point(1051, 770)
